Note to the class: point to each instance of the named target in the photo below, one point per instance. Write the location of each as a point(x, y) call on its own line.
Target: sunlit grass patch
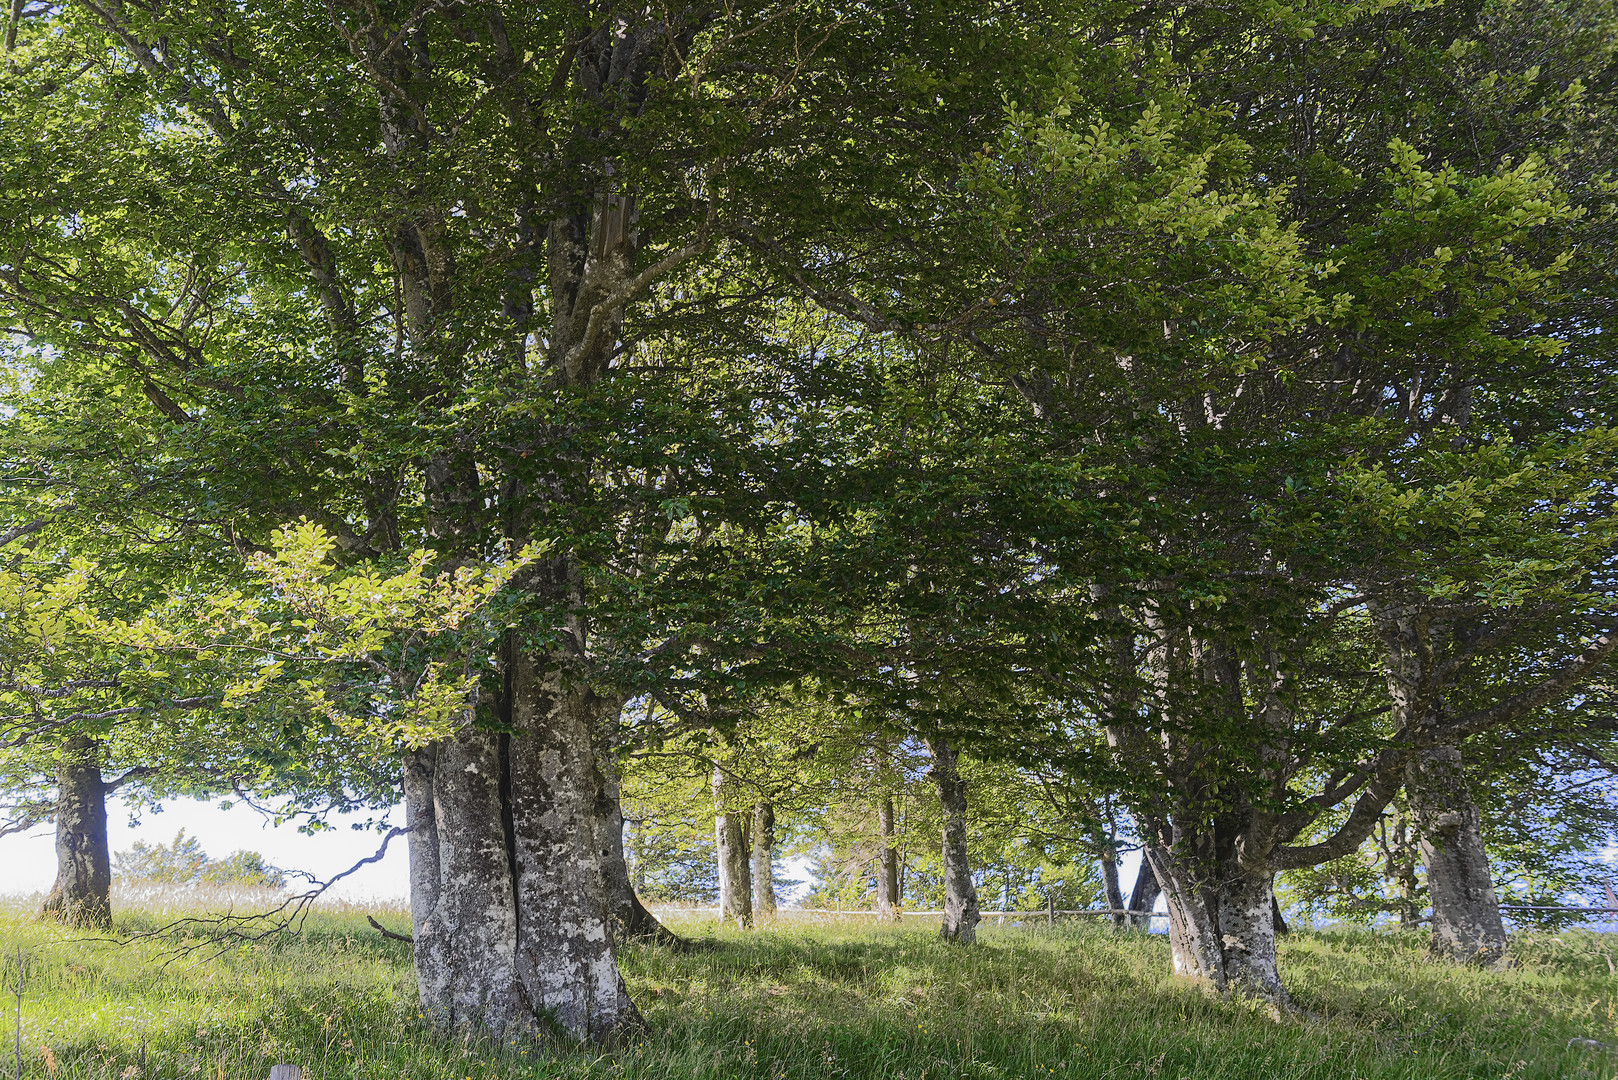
point(801, 1000)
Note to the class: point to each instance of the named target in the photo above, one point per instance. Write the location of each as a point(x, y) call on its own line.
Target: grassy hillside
point(823, 1000)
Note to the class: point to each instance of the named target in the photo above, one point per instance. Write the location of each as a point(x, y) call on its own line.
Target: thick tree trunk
point(564, 949)
point(1143, 897)
point(1467, 927)
point(517, 939)
point(763, 858)
point(81, 896)
point(730, 842)
point(887, 870)
point(1222, 927)
point(465, 950)
point(960, 895)
point(628, 917)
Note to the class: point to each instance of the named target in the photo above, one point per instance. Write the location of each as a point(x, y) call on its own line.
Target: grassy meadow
point(801, 999)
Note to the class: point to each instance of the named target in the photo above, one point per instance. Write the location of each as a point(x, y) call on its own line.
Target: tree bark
point(81, 896)
point(1109, 881)
point(730, 842)
point(421, 820)
point(1467, 927)
point(763, 858)
point(564, 950)
point(960, 895)
point(1221, 924)
point(516, 939)
point(887, 871)
point(1143, 897)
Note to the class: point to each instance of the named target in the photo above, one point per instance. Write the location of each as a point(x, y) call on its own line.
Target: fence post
point(283, 1072)
point(1050, 908)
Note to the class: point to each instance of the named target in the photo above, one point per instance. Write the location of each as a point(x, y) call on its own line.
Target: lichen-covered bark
point(960, 894)
point(1221, 923)
point(512, 939)
point(465, 950)
point(763, 858)
point(730, 843)
point(887, 871)
point(81, 895)
point(1467, 927)
point(564, 951)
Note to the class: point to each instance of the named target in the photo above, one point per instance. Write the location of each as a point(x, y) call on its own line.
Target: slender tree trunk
point(81, 896)
point(763, 858)
point(1143, 897)
point(421, 820)
point(1109, 881)
point(730, 842)
point(887, 871)
point(1276, 914)
point(1467, 927)
point(960, 895)
point(516, 939)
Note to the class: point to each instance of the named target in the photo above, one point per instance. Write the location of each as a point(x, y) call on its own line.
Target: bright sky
point(28, 862)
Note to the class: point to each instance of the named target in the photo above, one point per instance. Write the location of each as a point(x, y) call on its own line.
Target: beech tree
point(408, 273)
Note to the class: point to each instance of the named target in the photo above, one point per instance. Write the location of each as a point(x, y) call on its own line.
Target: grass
point(824, 999)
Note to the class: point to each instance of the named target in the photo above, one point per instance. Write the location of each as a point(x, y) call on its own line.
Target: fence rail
point(1032, 913)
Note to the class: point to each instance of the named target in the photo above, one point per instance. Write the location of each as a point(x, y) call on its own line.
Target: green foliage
point(183, 862)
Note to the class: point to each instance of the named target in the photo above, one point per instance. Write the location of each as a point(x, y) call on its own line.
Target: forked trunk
point(516, 939)
point(887, 871)
point(960, 895)
point(730, 843)
point(763, 858)
point(1143, 897)
point(1467, 927)
point(81, 896)
point(1222, 927)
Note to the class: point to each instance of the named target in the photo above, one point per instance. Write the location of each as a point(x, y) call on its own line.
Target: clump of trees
point(183, 862)
point(1072, 424)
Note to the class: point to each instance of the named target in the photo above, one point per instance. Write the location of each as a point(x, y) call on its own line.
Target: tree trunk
point(1143, 897)
point(960, 895)
point(81, 895)
point(1109, 881)
point(421, 820)
point(1222, 926)
point(763, 858)
point(564, 949)
point(516, 939)
point(1467, 927)
point(730, 842)
point(887, 871)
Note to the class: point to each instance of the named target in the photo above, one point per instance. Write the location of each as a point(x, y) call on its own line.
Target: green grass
point(830, 999)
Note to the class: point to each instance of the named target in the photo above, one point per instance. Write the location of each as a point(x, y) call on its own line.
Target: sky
point(28, 862)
